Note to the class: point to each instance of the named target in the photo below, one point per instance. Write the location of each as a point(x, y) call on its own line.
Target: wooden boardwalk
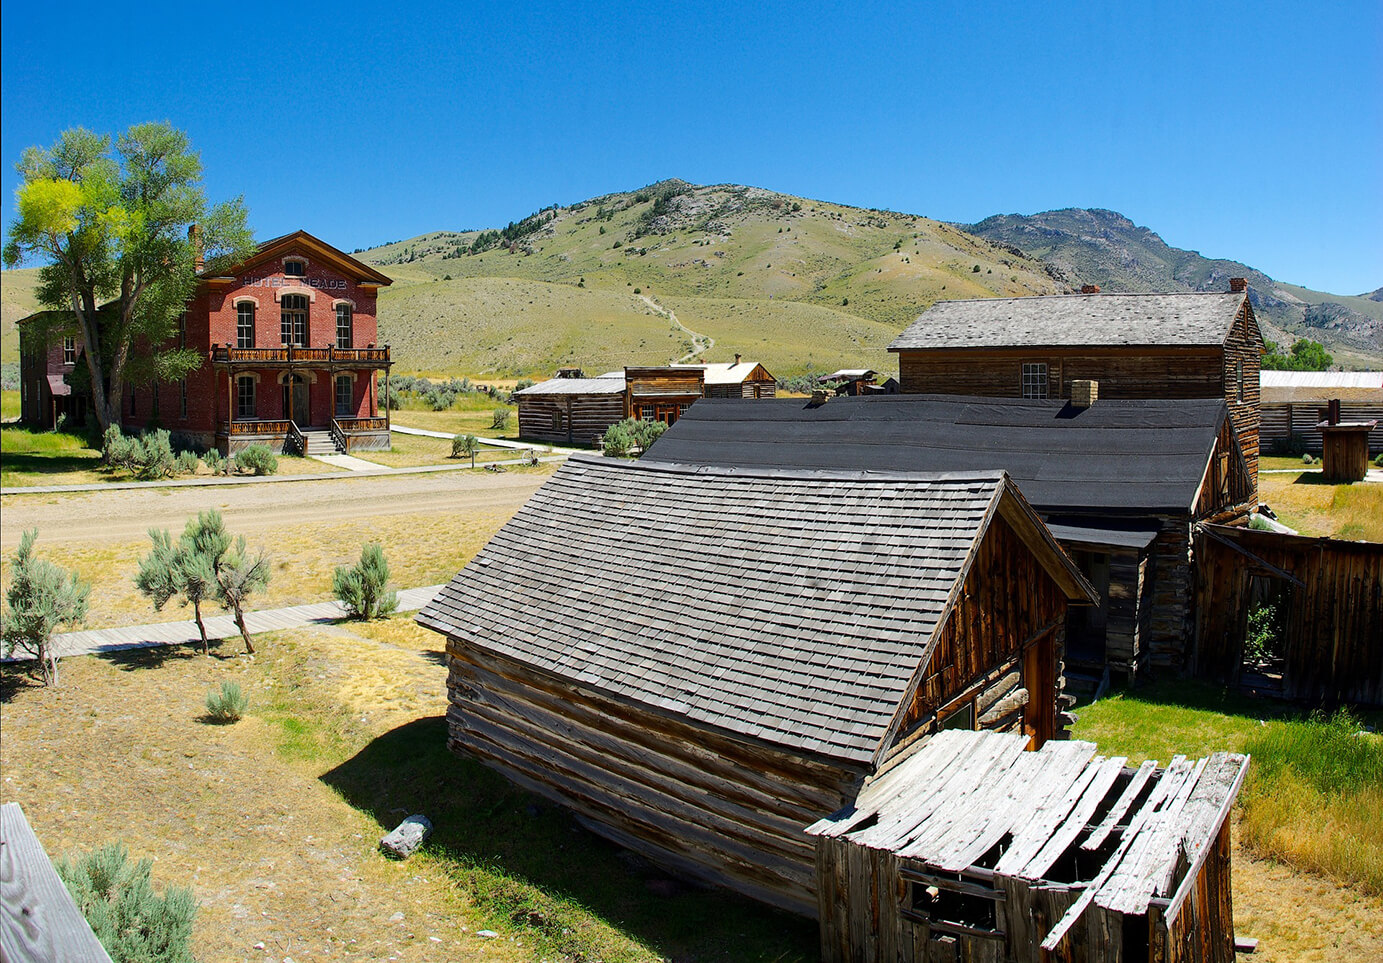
point(92, 641)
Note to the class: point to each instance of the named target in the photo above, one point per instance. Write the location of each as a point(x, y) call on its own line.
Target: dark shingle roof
point(1118, 455)
point(789, 607)
point(1183, 320)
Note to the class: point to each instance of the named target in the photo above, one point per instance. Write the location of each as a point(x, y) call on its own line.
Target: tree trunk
point(197, 614)
point(244, 632)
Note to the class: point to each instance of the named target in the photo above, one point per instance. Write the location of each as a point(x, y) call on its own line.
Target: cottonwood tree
point(41, 597)
point(113, 226)
point(186, 568)
point(240, 576)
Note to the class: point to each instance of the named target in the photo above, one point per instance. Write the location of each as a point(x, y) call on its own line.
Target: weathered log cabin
point(972, 849)
point(1134, 345)
point(571, 409)
point(701, 662)
point(1293, 402)
point(664, 393)
point(1120, 483)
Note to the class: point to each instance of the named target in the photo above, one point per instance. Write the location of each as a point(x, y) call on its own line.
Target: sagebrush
point(133, 923)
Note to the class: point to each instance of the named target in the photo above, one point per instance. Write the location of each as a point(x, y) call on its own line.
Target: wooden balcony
point(288, 355)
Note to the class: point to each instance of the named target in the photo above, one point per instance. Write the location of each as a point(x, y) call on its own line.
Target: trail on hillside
point(701, 343)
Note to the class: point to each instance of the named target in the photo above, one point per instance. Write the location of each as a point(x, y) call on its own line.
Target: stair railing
point(295, 440)
point(338, 435)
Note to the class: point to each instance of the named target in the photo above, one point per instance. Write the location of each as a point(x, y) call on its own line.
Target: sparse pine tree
point(239, 576)
point(363, 588)
point(42, 596)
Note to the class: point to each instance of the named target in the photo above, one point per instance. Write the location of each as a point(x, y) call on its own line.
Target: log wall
point(1333, 624)
point(580, 419)
point(1007, 604)
point(716, 807)
point(1298, 417)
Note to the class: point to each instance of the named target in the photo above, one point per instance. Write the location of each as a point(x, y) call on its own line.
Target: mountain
point(1106, 248)
point(677, 271)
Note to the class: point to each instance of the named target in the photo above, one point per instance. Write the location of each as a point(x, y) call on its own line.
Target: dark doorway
point(1086, 624)
point(295, 400)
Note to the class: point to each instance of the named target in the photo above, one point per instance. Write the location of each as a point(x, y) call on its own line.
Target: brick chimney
point(1084, 393)
point(1238, 285)
point(194, 237)
point(819, 397)
point(1089, 289)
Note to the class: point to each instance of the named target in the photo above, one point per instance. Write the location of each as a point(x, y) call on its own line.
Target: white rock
point(488, 934)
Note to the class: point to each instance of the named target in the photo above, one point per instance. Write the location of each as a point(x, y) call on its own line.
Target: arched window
point(294, 268)
point(343, 325)
point(245, 324)
point(294, 319)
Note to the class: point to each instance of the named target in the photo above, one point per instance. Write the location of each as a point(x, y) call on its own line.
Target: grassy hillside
point(672, 270)
point(16, 301)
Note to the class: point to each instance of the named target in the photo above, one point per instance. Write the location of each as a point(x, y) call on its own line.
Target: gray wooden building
point(570, 409)
point(1120, 483)
point(701, 662)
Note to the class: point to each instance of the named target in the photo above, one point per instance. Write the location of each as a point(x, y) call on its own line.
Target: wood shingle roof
point(1075, 320)
point(791, 607)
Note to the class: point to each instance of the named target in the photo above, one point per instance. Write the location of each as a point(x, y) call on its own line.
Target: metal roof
point(1075, 320)
point(724, 373)
point(791, 607)
point(1282, 387)
point(575, 386)
point(1144, 455)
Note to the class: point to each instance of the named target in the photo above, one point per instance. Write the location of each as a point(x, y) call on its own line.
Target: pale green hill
point(16, 301)
point(787, 281)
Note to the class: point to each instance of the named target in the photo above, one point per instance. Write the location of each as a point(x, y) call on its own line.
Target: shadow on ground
point(495, 838)
point(155, 656)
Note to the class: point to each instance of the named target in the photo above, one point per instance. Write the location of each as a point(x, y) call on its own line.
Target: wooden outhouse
point(973, 849)
point(571, 409)
point(701, 662)
point(1198, 345)
point(1120, 484)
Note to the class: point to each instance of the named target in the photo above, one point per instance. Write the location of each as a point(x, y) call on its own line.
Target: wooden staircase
point(319, 443)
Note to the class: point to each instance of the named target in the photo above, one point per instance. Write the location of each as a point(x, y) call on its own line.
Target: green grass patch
point(48, 458)
point(9, 405)
point(1314, 794)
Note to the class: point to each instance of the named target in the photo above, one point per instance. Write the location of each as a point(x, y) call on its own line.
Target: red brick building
point(292, 357)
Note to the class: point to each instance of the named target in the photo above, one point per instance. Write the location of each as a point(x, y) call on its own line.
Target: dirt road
point(92, 518)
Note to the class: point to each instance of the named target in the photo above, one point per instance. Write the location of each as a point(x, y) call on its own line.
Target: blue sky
point(1246, 130)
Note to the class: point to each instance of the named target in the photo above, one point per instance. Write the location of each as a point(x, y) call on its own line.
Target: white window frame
point(1034, 382)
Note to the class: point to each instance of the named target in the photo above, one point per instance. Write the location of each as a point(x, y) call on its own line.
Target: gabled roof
point(787, 607)
point(849, 374)
point(314, 247)
point(603, 385)
point(1076, 320)
point(1144, 455)
point(726, 372)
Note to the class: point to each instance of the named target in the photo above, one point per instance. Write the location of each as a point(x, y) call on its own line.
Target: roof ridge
point(993, 475)
point(1101, 294)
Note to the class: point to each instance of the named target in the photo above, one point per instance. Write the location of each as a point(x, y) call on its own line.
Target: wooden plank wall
point(1202, 931)
point(1333, 627)
point(588, 416)
point(1280, 420)
point(726, 810)
point(1006, 602)
point(1244, 346)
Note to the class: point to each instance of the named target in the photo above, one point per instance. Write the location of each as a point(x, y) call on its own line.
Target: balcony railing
point(289, 354)
point(258, 427)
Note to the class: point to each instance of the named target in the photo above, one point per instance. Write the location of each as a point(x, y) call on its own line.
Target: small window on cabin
point(951, 905)
point(1034, 379)
point(646, 412)
point(961, 717)
point(294, 268)
point(245, 324)
point(556, 421)
point(1239, 378)
point(69, 350)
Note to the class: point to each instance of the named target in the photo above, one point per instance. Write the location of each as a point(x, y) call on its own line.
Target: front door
point(295, 400)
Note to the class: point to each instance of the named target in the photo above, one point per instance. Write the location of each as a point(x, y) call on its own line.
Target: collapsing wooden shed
point(701, 662)
point(971, 849)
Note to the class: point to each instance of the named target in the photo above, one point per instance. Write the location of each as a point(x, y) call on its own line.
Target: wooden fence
point(1331, 619)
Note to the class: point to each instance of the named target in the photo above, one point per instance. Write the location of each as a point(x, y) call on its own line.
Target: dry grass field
point(1314, 507)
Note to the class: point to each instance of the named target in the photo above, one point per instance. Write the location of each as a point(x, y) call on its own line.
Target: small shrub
point(623, 437)
point(975, 269)
point(116, 448)
point(440, 399)
point(215, 462)
point(638, 290)
point(1307, 459)
point(228, 705)
point(464, 445)
point(152, 455)
point(117, 898)
point(1378, 460)
point(187, 462)
point(1262, 638)
point(362, 589)
point(500, 419)
point(256, 460)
